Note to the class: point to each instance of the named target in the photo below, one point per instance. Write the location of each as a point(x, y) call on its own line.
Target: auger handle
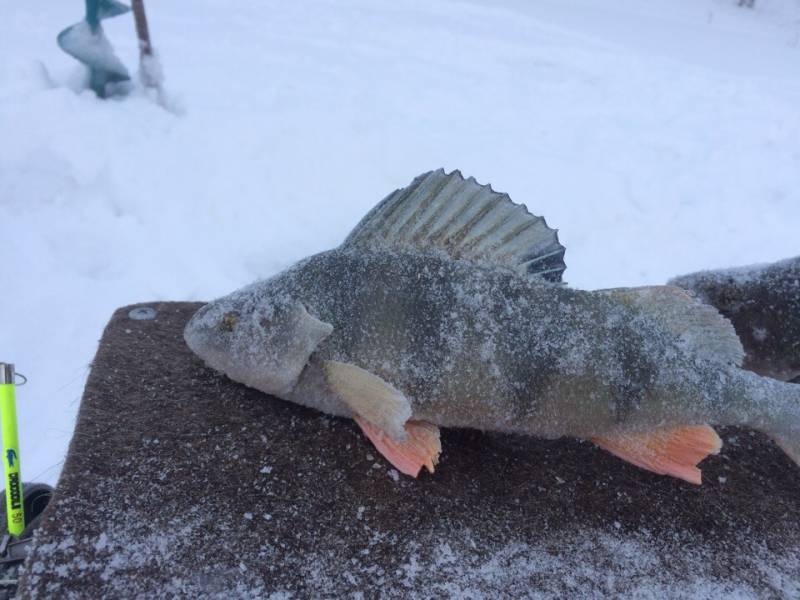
point(15, 511)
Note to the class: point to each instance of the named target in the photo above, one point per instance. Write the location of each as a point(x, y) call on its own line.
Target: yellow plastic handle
point(8, 414)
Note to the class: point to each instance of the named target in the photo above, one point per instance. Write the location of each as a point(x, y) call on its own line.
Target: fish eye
point(228, 321)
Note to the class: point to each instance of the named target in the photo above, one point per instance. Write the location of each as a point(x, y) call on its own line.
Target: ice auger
point(86, 42)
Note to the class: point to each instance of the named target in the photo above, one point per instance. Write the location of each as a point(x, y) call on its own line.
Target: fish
point(446, 307)
point(763, 303)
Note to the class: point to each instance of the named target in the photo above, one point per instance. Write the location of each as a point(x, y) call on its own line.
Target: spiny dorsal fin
point(467, 220)
point(699, 326)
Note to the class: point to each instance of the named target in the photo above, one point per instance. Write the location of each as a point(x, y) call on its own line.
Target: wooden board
point(179, 482)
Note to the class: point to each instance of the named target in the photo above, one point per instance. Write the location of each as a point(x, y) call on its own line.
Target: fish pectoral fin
point(674, 451)
point(370, 397)
point(383, 414)
point(420, 449)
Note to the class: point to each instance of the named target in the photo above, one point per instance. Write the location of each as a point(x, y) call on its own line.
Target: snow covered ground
point(660, 137)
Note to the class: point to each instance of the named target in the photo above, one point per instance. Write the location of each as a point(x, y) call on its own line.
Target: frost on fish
point(433, 306)
point(232, 337)
point(763, 302)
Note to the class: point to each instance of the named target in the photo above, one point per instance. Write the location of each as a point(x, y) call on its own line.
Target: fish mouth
point(211, 335)
point(265, 347)
point(205, 332)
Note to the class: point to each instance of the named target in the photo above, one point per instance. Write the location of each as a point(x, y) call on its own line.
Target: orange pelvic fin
point(421, 448)
point(673, 451)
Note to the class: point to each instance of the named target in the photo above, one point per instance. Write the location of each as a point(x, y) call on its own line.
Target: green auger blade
point(111, 8)
point(86, 42)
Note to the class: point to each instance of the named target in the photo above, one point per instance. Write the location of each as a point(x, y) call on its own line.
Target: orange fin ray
point(674, 451)
point(421, 448)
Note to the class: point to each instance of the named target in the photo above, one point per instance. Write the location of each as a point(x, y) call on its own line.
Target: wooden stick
point(150, 72)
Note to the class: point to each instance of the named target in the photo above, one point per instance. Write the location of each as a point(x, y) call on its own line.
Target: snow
point(585, 563)
point(660, 138)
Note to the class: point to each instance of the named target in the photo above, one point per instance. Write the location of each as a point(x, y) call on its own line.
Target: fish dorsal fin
point(465, 219)
point(699, 326)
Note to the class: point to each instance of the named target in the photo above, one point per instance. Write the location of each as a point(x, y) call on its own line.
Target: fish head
point(263, 341)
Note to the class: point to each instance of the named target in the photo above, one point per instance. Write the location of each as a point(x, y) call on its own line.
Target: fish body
point(763, 303)
point(409, 321)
